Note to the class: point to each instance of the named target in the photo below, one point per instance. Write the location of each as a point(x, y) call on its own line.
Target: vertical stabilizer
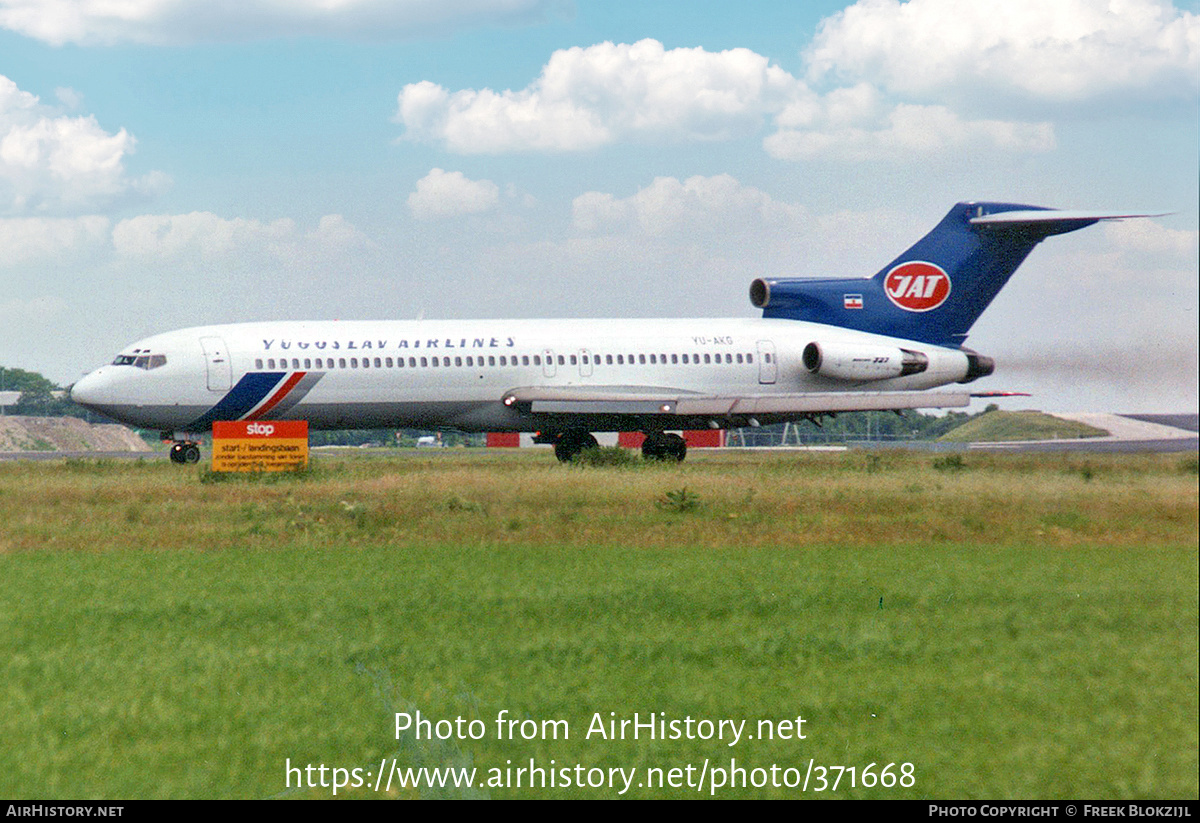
point(938, 288)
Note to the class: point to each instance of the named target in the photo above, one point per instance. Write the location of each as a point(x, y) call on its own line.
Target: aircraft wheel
point(191, 453)
point(176, 453)
point(676, 447)
point(570, 444)
point(654, 447)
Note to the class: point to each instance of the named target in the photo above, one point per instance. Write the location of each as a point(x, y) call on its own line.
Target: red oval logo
point(917, 286)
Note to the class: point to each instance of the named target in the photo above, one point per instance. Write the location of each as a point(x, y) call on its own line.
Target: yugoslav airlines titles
point(381, 345)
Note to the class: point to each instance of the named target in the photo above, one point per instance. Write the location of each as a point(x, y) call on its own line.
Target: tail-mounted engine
point(856, 361)
point(978, 365)
point(776, 293)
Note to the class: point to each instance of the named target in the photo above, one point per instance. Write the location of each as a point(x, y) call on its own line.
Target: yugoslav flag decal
point(917, 286)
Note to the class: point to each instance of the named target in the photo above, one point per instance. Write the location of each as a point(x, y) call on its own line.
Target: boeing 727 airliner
point(822, 346)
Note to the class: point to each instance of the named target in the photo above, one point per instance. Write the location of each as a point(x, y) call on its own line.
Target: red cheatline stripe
point(277, 397)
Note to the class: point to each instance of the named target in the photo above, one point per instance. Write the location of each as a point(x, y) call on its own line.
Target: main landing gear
point(569, 444)
point(656, 446)
point(664, 446)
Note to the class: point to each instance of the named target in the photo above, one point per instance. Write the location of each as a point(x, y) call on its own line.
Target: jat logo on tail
point(917, 286)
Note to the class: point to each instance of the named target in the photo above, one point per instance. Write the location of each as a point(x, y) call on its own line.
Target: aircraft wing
point(637, 400)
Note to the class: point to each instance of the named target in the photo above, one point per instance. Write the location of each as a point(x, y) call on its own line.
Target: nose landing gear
point(183, 451)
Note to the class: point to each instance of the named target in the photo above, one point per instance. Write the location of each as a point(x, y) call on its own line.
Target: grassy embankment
point(1014, 626)
point(1002, 426)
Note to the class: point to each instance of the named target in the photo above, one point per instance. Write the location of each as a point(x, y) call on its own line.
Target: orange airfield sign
point(259, 445)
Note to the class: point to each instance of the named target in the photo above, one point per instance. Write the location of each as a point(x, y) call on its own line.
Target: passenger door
point(216, 357)
point(766, 362)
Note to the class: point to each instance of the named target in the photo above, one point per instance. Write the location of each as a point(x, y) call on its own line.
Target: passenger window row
point(470, 361)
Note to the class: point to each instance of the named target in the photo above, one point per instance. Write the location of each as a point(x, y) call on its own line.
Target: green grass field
point(1014, 626)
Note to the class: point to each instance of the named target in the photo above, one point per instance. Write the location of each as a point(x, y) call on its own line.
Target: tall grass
point(1015, 628)
point(786, 501)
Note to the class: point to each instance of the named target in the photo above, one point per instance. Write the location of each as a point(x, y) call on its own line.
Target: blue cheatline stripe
point(298, 393)
point(248, 393)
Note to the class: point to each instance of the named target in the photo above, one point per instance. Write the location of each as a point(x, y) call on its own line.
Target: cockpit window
point(141, 361)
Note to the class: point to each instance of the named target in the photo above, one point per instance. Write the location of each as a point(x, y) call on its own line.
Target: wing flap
point(651, 401)
point(601, 407)
point(819, 402)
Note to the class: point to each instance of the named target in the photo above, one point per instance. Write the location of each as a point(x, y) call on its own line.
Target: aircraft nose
point(87, 391)
point(113, 392)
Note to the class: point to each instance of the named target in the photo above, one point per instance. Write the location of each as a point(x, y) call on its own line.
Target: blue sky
point(172, 163)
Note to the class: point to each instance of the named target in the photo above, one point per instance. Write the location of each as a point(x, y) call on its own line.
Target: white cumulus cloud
point(203, 238)
point(1060, 50)
point(590, 97)
point(188, 21)
point(55, 164)
point(1151, 237)
point(696, 205)
point(904, 131)
point(48, 240)
point(594, 96)
point(450, 194)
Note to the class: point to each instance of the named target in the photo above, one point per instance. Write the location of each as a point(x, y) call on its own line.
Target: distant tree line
point(886, 425)
point(402, 438)
point(38, 397)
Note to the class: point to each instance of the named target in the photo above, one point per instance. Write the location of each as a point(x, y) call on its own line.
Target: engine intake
point(760, 293)
point(802, 294)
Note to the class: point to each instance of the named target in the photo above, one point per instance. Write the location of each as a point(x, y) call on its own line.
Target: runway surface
point(1190, 422)
point(1127, 433)
point(83, 455)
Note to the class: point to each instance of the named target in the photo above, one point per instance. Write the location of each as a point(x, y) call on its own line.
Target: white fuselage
point(456, 374)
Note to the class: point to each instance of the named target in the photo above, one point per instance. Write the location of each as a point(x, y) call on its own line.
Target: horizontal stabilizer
point(1031, 217)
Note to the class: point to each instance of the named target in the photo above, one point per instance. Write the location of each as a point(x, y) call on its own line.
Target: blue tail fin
point(937, 289)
